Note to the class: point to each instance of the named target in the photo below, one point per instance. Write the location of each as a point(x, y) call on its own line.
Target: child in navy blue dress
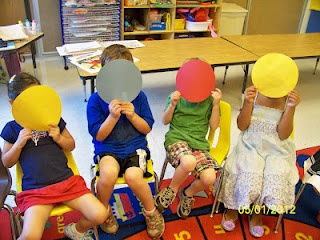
point(47, 179)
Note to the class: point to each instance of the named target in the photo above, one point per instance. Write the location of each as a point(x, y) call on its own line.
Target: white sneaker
point(71, 232)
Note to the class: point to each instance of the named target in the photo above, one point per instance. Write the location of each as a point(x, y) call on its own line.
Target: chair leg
point(216, 203)
point(95, 232)
point(18, 223)
point(12, 221)
point(163, 171)
point(302, 187)
point(156, 182)
point(93, 186)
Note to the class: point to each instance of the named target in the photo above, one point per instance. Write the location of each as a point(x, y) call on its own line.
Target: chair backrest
point(220, 139)
point(71, 164)
point(5, 182)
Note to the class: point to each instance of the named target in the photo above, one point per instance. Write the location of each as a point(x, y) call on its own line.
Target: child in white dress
point(261, 171)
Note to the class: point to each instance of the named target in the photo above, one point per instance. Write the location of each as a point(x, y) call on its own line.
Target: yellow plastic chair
point(59, 209)
point(219, 139)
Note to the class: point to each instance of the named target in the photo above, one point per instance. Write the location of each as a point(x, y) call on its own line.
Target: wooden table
point(21, 44)
point(293, 45)
point(296, 46)
point(168, 55)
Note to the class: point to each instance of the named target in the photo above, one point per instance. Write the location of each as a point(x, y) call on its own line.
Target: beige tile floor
point(50, 71)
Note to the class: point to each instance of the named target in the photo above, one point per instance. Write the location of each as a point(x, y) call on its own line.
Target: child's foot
point(229, 220)
point(155, 224)
point(255, 225)
point(164, 198)
point(71, 232)
point(185, 204)
point(111, 225)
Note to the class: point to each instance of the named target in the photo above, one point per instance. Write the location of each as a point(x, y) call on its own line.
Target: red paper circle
point(195, 80)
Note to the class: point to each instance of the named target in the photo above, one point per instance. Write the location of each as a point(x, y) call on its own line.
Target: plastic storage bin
point(179, 24)
point(232, 19)
point(197, 26)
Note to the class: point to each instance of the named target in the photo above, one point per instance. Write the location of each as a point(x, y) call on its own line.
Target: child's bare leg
point(35, 218)
point(231, 215)
point(134, 179)
point(94, 212)
point(109, 171)
point(207, 178)
point(186, 166)
point(256, 219)
point(154, 219)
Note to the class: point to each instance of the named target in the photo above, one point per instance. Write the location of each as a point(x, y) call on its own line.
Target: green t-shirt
point(190, 123)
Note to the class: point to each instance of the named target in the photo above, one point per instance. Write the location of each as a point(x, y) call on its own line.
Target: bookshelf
point(143, 12)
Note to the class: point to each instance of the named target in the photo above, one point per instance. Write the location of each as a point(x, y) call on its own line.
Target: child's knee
point(188, 163)
point(133, 176)
point(208, 177)
point(99, 215)
point(30, 235)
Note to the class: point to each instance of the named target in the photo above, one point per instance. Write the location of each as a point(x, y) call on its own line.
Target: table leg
point(12, 63)
point(225, 74)
point(92, 85)
point(84, 89)
point(33, 55)
point(315, 67)
point(244, 85)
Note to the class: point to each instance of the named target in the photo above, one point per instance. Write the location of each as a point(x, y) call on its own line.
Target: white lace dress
point(261, 168)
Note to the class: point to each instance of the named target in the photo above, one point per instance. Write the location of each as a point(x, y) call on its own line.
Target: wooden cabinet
point(145, 13)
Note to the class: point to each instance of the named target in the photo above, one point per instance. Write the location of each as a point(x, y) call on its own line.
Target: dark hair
point(113, 52)
point(20, 82)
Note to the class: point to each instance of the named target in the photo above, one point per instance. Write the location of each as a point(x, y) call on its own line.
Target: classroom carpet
point(299, 223)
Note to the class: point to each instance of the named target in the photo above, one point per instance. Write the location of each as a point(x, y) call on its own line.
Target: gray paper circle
point(119, 79)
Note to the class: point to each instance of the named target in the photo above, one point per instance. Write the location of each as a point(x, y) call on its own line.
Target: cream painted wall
point(265, 17)
point(272, 16)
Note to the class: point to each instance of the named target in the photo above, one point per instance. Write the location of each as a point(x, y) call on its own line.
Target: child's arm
point(63, 139)
point(244, 117)
point(215, 114)
point(285, 125)
point(138, 122)
point(108, 125)
point(168, 113)
point(11, 152)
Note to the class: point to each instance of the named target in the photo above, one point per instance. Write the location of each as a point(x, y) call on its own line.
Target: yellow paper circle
point(275, 75)
point(36, 107)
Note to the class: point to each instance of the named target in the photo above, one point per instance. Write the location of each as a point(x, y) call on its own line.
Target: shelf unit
point(98, 20)
point(141, 13)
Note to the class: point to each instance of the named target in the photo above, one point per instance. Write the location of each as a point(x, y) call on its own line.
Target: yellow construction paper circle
point(275, 75)
point(36, 107)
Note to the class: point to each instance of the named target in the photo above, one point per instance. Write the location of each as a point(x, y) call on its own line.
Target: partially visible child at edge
point(42, 187)
point(119, 132)
point(312, 174)
point(261, 170)
point(188, 149)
